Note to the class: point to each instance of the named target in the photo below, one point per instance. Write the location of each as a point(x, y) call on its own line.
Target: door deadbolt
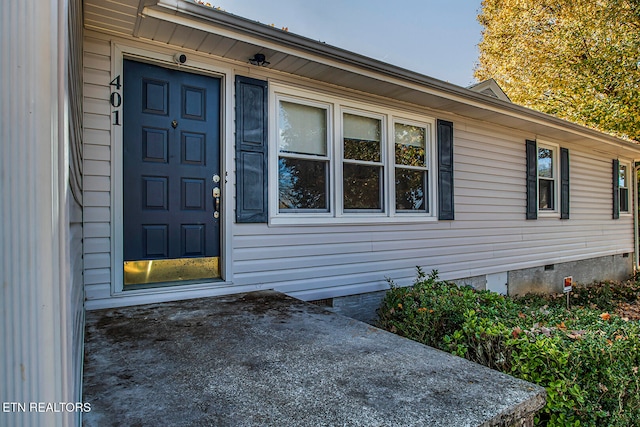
point(216, 196)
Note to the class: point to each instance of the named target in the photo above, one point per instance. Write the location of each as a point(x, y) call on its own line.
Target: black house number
point(116, 99)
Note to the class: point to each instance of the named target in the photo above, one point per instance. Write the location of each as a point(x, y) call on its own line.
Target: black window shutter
point(532, 180)
point(616, 189)
point(445, 170)
point(251, 150)
point(564, 183)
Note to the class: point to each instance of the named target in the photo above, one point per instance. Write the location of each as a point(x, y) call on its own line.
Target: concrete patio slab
point(265, 359)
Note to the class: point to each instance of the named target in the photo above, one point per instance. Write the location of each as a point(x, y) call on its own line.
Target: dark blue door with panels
point(171, 175)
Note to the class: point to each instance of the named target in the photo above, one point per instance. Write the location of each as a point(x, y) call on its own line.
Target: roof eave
point(446, 90)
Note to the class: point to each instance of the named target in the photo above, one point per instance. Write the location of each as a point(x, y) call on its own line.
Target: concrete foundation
point(476, 282)
point(550, 278)
point(541, 279)
point(361, 307)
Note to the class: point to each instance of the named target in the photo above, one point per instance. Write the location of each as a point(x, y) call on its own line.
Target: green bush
point(586, 358)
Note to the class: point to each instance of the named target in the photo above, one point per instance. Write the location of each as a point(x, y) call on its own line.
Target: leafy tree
point(575, 59)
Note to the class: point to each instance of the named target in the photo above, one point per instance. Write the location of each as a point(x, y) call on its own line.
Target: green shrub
point(586, 359)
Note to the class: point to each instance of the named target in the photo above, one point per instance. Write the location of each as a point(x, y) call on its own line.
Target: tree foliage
point(575, 59)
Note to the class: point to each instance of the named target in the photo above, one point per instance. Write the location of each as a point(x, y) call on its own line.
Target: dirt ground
point(629, 310)
point(623, 298)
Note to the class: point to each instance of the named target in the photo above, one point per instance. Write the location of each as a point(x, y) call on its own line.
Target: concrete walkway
point(265, 359)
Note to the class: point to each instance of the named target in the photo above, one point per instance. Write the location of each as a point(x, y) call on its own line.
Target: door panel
point(171, 151)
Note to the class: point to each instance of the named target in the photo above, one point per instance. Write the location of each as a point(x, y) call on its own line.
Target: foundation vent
point(327, 302)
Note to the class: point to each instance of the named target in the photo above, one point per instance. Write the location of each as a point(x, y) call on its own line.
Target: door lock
point(216, 196)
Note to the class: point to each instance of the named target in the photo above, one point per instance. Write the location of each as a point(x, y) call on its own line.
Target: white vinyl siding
point(591, 196)
point(490, 233)
point(97, 169)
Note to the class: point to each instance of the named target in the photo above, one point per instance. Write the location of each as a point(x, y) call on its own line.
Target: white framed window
point(623, 187)
point(363, 163)
point(548, 177)
point(412, 160)
point(344, 161)
point(303, 156)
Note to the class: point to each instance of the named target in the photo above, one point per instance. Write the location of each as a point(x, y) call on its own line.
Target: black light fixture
point(259, 59)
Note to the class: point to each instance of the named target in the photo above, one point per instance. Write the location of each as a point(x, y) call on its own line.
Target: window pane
point(624, 200)
point(411, 190)
point(302, 184)
point(410, 145)
point(362, 187)
point(361, 138)
point(546, 194)
point(303, 129)
point(545, 162)
point(622, 177)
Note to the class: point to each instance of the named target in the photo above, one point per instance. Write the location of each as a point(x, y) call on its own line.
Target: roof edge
point(250, 27)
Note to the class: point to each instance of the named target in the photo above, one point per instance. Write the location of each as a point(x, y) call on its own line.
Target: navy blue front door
point(171, 165)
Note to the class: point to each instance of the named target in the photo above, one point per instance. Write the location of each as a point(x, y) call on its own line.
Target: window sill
point(548, 214)
point(361, 219)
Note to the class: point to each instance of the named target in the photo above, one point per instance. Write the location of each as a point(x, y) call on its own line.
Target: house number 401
point(116, 100)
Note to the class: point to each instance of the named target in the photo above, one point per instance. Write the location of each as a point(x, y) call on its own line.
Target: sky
point(437, 38)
